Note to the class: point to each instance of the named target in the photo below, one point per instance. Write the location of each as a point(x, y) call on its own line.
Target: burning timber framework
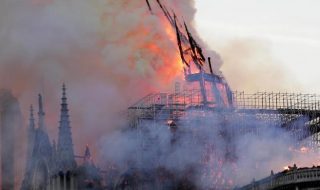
point(297, 113)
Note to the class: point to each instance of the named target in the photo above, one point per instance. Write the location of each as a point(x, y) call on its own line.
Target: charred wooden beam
point(166, 13)
point(210, 65)
point(179, 42)
point(149, 6)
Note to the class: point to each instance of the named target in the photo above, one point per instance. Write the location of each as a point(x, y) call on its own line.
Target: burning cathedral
point(203, 105)
point(53, 165)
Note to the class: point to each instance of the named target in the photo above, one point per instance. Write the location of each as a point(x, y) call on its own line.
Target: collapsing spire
point(65, 145)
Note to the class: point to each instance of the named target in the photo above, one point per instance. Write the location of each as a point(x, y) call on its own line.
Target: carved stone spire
point(39, 150)
point(65, 145)
point(54, 145)
point(54, 151)
point(87, 153)
point(31, 120)
point(31, 136)
point(41, 114)
point(87, 156)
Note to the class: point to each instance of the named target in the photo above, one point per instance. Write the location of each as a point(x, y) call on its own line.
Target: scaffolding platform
point(298, 113)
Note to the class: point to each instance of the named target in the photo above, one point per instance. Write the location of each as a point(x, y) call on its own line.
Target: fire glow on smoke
point(109, 53)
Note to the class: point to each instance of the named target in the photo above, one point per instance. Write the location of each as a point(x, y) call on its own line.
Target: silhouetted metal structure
point(298, 113)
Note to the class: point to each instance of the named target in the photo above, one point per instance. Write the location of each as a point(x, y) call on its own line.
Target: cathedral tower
point(41, 114)
point(65, 145)
point(31, 134)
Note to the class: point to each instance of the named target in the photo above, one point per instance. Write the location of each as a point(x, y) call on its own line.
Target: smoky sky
point(108, 53)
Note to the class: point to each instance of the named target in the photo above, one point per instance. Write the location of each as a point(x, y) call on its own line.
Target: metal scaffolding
point(297, 113)
point(276, 101)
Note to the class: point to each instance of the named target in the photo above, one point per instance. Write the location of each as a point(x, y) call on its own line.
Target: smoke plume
point(103, 50)
point(109, 53)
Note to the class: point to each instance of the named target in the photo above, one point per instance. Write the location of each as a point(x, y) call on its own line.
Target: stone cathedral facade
point(53, 166)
